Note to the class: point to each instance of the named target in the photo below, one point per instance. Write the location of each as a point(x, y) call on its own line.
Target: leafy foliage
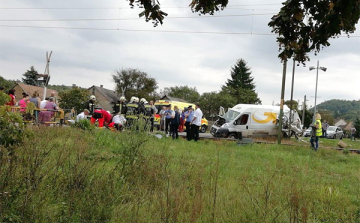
point(12, 129)
point(185, 92)
point(30, 77)
point(74, 98)
point(60, 88)
point(357, 126)
point(7, 84)
point(152, 10)
point(307, 25)
point(294, 104)
point(4, 98)
point(135, 82)
point(242, 96)
point(83, 124)
point(210, 102)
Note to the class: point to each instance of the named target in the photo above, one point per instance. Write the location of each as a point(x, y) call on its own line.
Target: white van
point(253, 120)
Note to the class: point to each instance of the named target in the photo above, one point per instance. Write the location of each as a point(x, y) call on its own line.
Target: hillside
point(348, 110)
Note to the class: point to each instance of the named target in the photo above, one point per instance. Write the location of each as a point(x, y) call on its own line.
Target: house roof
point(172, 98)
point(348, 126)
point(110, 95)
point(30, 89)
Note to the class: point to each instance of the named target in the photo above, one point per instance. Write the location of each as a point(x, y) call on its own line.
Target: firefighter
point(90, 104)
point(120, 106)
point(132, 111)
point(102, 116)
point(146, 111)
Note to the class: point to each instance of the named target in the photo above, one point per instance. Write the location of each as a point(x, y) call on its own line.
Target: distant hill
point(347, 110)
point(59, 88)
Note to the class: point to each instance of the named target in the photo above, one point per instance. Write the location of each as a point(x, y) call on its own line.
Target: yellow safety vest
point(319, 130)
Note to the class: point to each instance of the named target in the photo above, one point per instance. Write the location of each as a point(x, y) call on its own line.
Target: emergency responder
point(316, 132)
point(90, 104)
point(146, 111)
point(102, 116)
point(132, 111)
point(120, 106)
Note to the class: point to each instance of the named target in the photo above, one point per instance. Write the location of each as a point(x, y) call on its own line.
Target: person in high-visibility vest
point(316, 132)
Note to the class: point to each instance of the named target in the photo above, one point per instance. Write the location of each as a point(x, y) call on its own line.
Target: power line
point(179, 17)
point(117, 8)
point(149, 30)
point(138, 30)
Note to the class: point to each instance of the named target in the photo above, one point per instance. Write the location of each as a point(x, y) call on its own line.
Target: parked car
point(307, 132)
point(334, 132)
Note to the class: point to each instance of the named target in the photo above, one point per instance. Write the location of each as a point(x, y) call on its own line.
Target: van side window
point(243, 119)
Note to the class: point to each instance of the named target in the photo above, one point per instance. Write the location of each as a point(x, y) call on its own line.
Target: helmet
point(92, 97)
point(122, 98)
point(143, 100)
point(132, 99)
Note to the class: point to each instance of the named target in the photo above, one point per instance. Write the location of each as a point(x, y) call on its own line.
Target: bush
point(83, 124)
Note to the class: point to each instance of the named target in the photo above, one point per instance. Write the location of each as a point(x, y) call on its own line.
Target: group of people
point(124, 115)
point(44, 109)
point(173, 120)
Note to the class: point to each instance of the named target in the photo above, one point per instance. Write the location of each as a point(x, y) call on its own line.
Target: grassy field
point(70, 175)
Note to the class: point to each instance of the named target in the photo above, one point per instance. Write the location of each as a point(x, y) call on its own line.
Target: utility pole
point(291, 99)
point(282, 101)
point(46, 73)
point(317, 75)
point(304, 107)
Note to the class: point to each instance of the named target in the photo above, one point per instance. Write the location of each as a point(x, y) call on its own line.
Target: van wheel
point(334, 136)
point(203, 129)
point(232, 136)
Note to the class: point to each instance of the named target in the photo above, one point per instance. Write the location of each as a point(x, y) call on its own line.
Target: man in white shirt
point(196, 122)
point(83, 115)
point(119, 121)
point(43, 103)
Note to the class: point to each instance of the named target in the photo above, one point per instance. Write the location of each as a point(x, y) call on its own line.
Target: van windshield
point(230, 115)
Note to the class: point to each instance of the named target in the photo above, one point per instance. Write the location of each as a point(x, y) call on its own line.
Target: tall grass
point(71, 175)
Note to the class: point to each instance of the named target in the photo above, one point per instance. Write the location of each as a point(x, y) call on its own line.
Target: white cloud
point(88, 57)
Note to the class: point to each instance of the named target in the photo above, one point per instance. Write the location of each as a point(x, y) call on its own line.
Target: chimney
point(101, 86)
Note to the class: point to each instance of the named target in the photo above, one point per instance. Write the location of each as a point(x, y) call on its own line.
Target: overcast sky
point(202, 60)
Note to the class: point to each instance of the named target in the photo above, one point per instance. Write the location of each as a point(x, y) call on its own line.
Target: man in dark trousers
point(189, 115)
point(90, 104)
point(196, 122)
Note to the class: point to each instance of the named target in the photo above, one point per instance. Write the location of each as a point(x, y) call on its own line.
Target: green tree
point(241, 85)
point(357, 126)
point(307, 25)
point(327, 115)
point(7, 84)
point(241, 96)
point(210, 102)
point(30, 77)
point(295, 104)
point(74, 98)
point(135, 82)
point(185, 92)
point(241, 76)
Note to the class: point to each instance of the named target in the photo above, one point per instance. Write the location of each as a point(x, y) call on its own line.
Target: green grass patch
point(71, 175)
